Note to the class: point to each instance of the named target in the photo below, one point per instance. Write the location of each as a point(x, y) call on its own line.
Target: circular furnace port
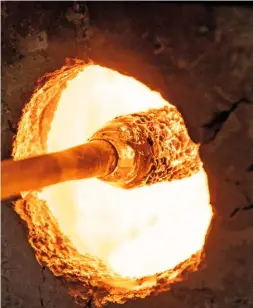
point(122, 243)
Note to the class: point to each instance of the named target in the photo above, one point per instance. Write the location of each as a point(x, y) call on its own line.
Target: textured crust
point(163, 150)
point(173, 154)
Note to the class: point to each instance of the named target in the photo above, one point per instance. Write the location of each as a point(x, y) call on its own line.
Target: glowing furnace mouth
point(138, 232)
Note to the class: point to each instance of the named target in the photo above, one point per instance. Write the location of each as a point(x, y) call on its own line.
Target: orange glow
point(144, 232)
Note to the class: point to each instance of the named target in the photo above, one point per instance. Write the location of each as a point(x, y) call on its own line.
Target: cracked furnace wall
point(199, 57)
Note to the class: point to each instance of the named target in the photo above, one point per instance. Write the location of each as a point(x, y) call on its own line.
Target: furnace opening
point(134, 233)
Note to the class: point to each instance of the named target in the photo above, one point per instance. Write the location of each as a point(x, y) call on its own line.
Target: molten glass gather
point(100, 240)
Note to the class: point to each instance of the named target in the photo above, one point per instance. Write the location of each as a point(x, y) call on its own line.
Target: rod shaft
point(93, 159)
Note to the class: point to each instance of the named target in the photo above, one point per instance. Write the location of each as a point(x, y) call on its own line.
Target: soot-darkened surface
point(199, 57)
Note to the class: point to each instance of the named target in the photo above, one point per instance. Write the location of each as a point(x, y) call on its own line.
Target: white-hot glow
point(136, 232)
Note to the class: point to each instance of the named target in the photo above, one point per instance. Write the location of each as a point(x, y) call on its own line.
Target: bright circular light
point(136, 233)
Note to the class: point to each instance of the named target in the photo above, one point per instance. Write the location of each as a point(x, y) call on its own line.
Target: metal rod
point(130, 151)
point(97, 158)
